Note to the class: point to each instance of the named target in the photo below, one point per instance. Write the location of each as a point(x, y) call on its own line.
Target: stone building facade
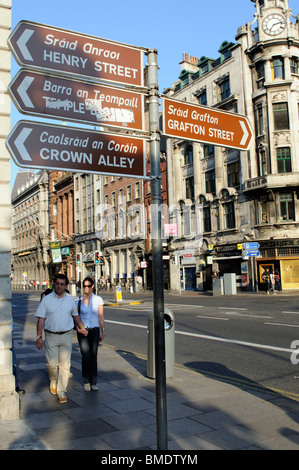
point(223, 197)
point(121, 229)
point(30, 230)
point(61, 223)
point(87, 196)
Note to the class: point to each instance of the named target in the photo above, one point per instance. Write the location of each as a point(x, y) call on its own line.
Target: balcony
point(187, 170)
point(272, 181)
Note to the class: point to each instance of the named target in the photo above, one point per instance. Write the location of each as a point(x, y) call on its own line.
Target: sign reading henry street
point(207, 125)
point(59, 97)
point(41, 46)
point(45, 146)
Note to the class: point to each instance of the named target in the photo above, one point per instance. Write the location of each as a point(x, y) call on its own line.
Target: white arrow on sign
point(22, 90)
point(246, 133)
point(22, 41)
point(19, 143)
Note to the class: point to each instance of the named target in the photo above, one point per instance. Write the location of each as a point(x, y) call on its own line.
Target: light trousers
point(58, 357)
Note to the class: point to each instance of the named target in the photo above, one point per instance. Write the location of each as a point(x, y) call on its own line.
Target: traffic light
point(101, 259)
point(96, 257)
point(78, 258)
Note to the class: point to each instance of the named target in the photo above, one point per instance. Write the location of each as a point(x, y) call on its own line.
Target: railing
point(255, 182)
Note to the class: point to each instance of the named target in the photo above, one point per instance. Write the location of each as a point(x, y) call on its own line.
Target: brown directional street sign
point(46, 47)
point(207, 125)
point(44, 146)
point(61, 97)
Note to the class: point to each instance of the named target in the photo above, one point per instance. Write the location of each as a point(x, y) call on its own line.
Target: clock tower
point(273, 18)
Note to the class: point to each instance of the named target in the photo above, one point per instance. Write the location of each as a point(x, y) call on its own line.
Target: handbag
point(79, 307)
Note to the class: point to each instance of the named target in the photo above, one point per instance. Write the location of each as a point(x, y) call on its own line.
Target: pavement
point(204, 411)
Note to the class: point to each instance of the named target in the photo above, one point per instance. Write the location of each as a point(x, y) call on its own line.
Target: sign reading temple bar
point(46, 47)
point(206, 125)
point(45, 146)
point(62, 97)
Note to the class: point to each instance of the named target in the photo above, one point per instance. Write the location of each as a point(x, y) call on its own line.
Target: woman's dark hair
point(89, 279)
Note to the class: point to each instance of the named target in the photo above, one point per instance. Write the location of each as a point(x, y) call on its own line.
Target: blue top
point(90, 313)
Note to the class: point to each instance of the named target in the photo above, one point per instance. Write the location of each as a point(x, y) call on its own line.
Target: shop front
point(280, 257)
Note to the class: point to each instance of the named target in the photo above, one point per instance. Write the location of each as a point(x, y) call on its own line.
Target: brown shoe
point(62, 397)
point(53, 388)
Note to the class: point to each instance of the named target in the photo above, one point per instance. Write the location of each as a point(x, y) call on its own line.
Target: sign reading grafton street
point(41, 46)
point(59, 97)
point(45, 146)
point(207, 125)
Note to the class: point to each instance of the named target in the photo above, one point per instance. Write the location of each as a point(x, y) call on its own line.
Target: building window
point(229, 215)
point(122, 223)
point(294, 65)
point(190, 188)
point(208, 150)
point(210, 182)
point(129, 193)
point(284, 164)
point(286, 206)
point(260, 73)
point(233, 174)
point(262, 163)
point(137, 190)
point(121, 197)
point(259, 119)
point(224, 89)
point(277, 65)
point(203, 99)
point(185, 216)
point(206, 213)
point(281, 116)
point(188, 155)
point(263, 209)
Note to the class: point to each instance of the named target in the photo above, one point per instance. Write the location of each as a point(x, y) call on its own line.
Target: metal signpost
point(251, 250)
point(207, 125)
point(76, 100)
point(157, 250)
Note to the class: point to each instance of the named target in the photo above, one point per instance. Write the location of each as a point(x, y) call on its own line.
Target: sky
point(173, 27)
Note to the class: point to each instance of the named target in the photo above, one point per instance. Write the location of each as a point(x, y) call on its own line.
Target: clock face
point(274, 24)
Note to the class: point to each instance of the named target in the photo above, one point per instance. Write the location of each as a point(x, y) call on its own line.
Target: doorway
point(190, 278)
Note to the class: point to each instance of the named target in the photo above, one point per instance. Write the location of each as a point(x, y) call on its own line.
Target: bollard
point(118, 294)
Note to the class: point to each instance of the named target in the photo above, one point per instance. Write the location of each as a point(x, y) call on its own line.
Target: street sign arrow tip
point(22, 41)
point(19, 143)
point(245, 133)
point(22, 90)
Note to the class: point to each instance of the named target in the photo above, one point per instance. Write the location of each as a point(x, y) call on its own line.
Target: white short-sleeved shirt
point(89, 313)
point(57, 312)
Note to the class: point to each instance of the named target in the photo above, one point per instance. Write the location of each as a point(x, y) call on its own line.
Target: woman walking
point(90, 308)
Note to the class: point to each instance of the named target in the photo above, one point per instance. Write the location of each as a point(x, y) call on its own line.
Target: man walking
point(56, 314)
